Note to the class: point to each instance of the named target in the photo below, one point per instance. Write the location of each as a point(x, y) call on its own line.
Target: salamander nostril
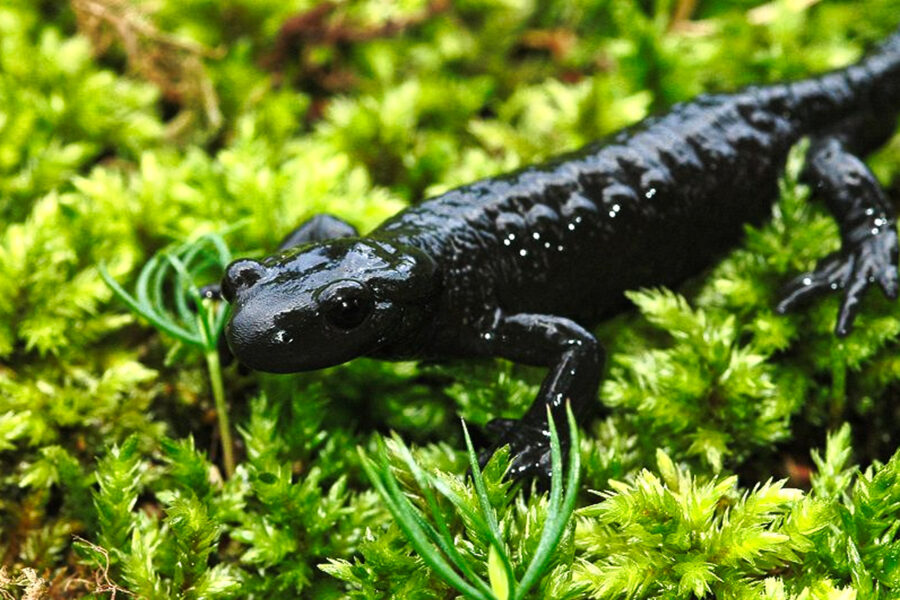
point(240, 275)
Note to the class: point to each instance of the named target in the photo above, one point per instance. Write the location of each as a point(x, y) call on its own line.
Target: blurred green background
point(127, 125)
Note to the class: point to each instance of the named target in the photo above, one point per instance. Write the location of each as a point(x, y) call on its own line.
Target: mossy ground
point(127, 125)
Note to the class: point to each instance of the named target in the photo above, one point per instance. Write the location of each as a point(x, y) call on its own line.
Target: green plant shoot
point(168, 297)
point(433, 541)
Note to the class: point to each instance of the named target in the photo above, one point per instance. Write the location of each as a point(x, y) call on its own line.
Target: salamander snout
point(320, 305)
point(241, 275)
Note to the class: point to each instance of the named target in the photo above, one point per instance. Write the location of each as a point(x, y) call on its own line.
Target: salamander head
point(323, 304)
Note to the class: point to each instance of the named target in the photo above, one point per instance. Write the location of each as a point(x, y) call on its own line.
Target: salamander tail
point(871, 85)
point(884, 67)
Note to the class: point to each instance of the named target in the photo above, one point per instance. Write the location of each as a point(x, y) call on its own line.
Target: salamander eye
point(346, 304)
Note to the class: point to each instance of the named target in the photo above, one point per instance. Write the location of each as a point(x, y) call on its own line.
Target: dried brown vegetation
point(173, 64)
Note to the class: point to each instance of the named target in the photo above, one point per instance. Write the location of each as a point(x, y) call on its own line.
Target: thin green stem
point(218, 391)
point(442, 536)
point(559, 508)
point(487, 510)
point(199, 327)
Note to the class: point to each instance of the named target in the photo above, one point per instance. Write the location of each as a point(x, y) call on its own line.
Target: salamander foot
point(853, 270)
point(529, 449)
point(868, 227)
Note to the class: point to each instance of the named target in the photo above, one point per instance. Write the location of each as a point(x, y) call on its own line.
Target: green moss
point(112, 468)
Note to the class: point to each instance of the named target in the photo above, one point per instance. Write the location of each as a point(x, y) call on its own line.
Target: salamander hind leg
point(867, 222)
point(574, 359)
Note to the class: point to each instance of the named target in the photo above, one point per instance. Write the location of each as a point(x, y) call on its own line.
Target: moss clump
point(129, 126)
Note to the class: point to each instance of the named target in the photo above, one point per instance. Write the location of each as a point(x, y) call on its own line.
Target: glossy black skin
point(518, 266)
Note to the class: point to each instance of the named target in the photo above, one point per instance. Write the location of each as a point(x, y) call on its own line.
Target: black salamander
point(521, 265)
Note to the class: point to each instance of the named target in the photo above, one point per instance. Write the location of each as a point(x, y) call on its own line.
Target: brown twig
point(684, 10)
point(173, 64)
point(28, 578)
point(26, 583)
point(102, 584)
point(558, 42)
point(322, 26)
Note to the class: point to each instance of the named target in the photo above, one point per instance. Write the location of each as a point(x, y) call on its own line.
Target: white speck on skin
point(650, 193)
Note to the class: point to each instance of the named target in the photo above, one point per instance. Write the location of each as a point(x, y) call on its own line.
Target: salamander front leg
point(867, 222)
point(574, 358)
